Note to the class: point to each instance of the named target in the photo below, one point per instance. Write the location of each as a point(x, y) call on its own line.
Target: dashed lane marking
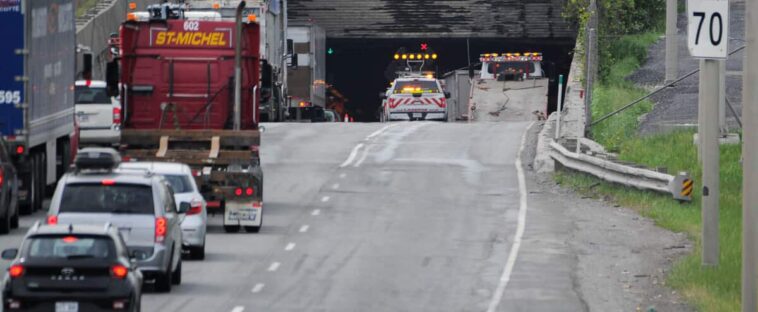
point(335, 186)
point(325, 199)
point(343, 175)
point(290, 246)
point(238, 309)
point(513, 255)
point(304, 228)
point(316, 212)
point(274, 266)
point(258, 287)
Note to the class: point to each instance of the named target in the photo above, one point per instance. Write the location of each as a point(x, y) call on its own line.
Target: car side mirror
point(447, 95)
point(382, 95)
point(10, 254)
point(184, 207)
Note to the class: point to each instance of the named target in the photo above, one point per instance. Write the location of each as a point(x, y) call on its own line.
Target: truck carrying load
point(37, 92)
point(306, 73)
point(511, 66)
point(190, 93)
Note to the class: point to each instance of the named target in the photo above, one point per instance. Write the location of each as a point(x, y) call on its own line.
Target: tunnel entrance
point(356, 67)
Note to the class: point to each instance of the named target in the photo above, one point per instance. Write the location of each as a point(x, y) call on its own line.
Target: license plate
point(417, 115)
point(67, 307)
point(83, 118)
point(244, 215)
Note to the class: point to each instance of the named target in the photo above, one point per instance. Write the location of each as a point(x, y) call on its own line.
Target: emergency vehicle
point(511, 66)
point(415, 94)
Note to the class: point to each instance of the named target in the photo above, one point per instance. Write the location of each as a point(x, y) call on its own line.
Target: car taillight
point(160, 229)
point(116, 115)
point(52, 219)
point(16, 270)
point(238, 191)
point(195, 208)
point(119, 271)
point(20, 149)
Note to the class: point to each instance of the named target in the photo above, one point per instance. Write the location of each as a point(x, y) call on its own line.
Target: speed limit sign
point(708, 28)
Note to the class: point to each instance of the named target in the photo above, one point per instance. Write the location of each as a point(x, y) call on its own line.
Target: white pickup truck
point(415, 98)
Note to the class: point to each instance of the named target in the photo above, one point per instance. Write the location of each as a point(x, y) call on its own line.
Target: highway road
point(369, 217)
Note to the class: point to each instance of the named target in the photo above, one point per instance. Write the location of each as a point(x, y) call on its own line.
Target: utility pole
point(672, 41)
point(750, 161)
point(590, 79)
point(591, 54)
point(709, 142)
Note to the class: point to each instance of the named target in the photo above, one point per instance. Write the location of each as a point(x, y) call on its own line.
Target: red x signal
point(424, 46)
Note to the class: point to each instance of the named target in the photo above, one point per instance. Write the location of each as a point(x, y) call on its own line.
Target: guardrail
point(679, 186)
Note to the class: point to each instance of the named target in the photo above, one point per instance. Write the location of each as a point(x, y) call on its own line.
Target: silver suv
point(140, 203)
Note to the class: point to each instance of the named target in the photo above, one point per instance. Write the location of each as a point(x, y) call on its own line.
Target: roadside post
point(672, 42)
point(750, 162)
point(707, 39)
point(559, 107)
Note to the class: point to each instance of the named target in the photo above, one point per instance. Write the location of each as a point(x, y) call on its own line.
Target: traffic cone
point(347, 117)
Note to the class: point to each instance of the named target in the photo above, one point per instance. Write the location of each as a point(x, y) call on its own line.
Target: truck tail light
point(20, 149)
point(249, 191)
point(2, 176)
point(52, 219)
point(119, 271)
point(117, 116)
point(16, 270)
point(238, 191)
point(195, 208)
point(160, 229)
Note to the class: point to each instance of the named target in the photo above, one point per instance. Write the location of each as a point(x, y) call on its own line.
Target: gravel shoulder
point(620, 259)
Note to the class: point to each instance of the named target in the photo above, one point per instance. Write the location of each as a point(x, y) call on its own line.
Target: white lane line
point(316, 212)
point(343, 175)
point(363, 157)
point(335, 186)
point(325, 199)
point(378, 132)
point(258, 287)
point(238, 309)
point(352, 156)
point(274, 266)
point(304, 228)
point(506, 277)
point(290, 246)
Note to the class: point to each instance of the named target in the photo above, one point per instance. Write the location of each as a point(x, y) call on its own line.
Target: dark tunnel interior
point(356, 67)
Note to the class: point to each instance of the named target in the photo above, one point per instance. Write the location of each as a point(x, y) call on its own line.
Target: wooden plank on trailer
point(215, 144)
point(163, 147)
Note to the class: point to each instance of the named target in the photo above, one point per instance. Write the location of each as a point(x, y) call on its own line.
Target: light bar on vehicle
point(511, 57)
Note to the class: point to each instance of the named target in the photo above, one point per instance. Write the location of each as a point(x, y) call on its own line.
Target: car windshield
point(87, 95)
point(99, 198)
point(180, 183)
point(416, 86)
point(70, 247)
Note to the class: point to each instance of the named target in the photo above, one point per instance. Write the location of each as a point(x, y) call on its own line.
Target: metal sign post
point(672, 42)
point(750, 162)
point(559, 107)
point(708, 38)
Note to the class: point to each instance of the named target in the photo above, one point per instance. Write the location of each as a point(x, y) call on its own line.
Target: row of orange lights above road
point(413, 56)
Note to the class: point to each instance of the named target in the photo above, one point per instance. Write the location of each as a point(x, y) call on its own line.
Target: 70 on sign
point(708, 28)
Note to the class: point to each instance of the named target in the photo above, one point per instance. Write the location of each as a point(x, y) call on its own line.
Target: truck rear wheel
point(231, 228)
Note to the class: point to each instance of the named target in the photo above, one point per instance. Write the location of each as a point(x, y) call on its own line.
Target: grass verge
point(708, 289)
point(83, 5)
